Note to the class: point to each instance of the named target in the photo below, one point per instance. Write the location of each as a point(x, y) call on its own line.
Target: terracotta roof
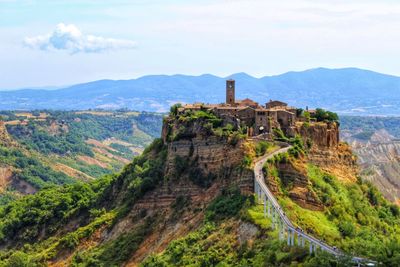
point(229, 107)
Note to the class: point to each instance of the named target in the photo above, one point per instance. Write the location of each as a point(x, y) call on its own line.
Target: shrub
point(323, 115)
point(21, 259)
point(347, 229)
point(197, 176)
point(174, 109)
point(117, 251)
point(226, 205)
point(262, 148)
point(279, 135)
point(246, 161)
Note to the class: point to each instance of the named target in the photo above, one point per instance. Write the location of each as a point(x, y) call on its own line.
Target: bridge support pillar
point(282, 231)
point(293, 233)
point(265, 205)
point(256, 191)
point(311, 248)
point(288, 237)
point(279, 229)
point(257, 194)
point(273, 218)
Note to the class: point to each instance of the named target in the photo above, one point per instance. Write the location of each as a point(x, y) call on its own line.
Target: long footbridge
point(286, 230)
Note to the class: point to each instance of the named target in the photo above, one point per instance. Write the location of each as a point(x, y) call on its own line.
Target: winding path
point(286, 229)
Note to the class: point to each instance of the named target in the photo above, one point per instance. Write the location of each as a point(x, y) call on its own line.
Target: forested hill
point(44, 148)
point(346, 91)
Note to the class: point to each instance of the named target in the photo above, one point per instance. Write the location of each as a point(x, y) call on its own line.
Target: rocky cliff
point(198, 166)
point(319, 134)
point(320, 147)
point(326, 150)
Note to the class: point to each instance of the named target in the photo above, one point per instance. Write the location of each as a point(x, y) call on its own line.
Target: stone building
point(275, 103)
point(230, 92)
point(257, 118)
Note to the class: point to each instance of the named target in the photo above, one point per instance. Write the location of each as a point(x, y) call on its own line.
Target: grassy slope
point(356, 218)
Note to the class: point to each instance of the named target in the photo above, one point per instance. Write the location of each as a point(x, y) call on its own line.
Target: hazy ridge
point(346, 91)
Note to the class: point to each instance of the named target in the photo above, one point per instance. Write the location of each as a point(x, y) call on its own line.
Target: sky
point(59, 43)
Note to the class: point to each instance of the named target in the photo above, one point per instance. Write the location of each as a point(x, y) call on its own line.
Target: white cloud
point(71, 39)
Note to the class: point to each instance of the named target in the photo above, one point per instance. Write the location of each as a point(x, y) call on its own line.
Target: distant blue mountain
point(347, 91)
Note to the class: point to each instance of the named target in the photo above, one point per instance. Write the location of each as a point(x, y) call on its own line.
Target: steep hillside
point(187, 200)
point(375, 140)
point(348, 91)
point(39, 149)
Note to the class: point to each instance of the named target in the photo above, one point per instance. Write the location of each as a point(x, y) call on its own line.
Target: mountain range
point(346, 91)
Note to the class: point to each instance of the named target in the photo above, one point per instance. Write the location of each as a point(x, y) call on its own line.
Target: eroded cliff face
point(5, 139)
point(379, 160)
point(198, 166)
point(326, 151)
point(339, 161)
point(293, 178)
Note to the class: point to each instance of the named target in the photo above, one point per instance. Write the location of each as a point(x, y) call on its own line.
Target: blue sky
point(55, 43)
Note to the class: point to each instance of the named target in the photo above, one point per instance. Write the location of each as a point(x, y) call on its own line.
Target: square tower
point(230, 92)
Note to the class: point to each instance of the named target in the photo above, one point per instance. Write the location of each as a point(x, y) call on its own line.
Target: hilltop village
point(259, 119)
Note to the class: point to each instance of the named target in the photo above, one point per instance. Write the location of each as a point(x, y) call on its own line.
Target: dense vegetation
point(39, 218)
point(31, 169)
point(320, 115)
point(76, 127)
point(216, 242)
point(38, 139)
point(23, 220)
point(325, 115)
point(61, 147)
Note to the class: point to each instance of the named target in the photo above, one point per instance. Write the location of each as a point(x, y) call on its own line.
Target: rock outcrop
point(326, 151)
point(319, 134)
point(4, 136)
point(293, 178)
point(321, 140)
point(338, 160)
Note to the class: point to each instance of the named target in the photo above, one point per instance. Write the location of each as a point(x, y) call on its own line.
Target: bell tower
point(230, 92)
